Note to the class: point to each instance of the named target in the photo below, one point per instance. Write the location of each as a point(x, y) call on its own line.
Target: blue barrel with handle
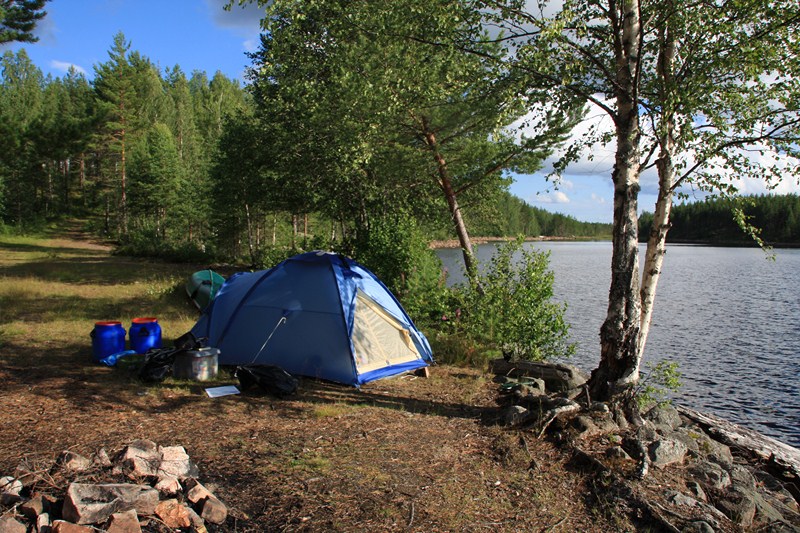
point(145, 333)
point(108, 337)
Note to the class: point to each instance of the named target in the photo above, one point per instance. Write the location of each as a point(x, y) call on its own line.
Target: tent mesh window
point(378, 338)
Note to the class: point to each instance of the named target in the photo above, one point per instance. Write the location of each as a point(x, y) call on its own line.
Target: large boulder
point(557, 377)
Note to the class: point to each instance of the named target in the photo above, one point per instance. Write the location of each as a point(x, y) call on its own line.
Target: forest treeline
point(177, 165)
point(774, 218)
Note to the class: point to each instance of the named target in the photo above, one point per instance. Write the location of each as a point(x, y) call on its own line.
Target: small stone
point(168, 486)
point(43, 523)
point(678, 498)
point(697, 526)
point(37, 505)
point(175, 462)
point(711, 475)
point(741, 477)
point(198, 524)
point(9, 525)
point(174, 514)
point(102, 459)
point(74, 462)
point(214, 511)
point(667, 451)
point(211, 508)
point(141, 458)
point(664, 415)
point(616, 452)
point(515, 414)
point(10, 489)
point(126, 522)
point(585, 426)
point(10, 485)
point(697, 491)
point(61, 526)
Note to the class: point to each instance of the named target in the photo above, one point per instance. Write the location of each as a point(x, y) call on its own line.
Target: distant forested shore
point(775, 219)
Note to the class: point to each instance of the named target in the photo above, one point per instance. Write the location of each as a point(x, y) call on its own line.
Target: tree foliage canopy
point(18, 19)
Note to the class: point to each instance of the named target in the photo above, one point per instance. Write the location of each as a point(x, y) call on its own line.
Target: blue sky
point(200, 35)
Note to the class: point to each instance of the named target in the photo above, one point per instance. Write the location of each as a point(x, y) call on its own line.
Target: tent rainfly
point(316, 314)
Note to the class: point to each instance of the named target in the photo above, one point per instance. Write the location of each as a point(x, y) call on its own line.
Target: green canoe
point(202, 286)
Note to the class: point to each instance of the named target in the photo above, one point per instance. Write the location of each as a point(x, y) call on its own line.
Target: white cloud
point(250, 45)
point(556, 197)
point(598, 199)
point(64, 66)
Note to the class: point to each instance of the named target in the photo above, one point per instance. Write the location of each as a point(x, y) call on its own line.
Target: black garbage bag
point(158, 361)
point(271, 379)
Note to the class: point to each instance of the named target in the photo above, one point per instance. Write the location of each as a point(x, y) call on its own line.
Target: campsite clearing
point(407, 453)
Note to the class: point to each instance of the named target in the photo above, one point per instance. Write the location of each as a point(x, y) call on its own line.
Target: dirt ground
point(403, 454)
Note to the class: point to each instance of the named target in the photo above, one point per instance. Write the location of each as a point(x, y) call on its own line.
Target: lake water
point(729, 316)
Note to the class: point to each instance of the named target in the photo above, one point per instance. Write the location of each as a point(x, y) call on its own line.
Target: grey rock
point(710, 475)
point(515, 414)
point(666, 451)
point(616, 452)
point(646, 433)
point(765, 511)
point(688, 437)
point(678, 498)
point(664, 416)
point(211, 509)
point(557, 377)
point(585, 426)
point(43, 523)
point(777, 491)
point(697, 491)
point(738, 505)
point(74, 462)
point(697, 526)
point(93, 504)
point(101, 458)
point(742, 478)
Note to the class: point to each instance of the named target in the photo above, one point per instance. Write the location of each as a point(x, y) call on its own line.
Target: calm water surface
point(729, 316)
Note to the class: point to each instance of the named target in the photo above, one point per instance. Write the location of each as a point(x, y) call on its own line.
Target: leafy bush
point(513, 311)
point(396, 250)
point(658, 381)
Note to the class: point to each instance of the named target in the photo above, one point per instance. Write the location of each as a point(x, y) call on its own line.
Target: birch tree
point(707, 92)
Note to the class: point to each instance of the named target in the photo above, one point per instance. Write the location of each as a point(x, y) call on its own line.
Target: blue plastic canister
point(145, 333)
point(108, 338)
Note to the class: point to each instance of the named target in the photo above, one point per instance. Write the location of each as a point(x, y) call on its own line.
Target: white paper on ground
point(216, 392)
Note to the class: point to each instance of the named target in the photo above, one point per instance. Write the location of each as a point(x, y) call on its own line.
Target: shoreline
point(454, 243)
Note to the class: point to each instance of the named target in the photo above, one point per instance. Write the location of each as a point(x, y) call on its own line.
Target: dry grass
point(404, 454)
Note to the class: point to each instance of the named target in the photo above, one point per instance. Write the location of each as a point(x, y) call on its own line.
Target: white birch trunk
point(619, 334)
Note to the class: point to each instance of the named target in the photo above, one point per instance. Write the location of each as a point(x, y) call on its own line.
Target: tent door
point(379, 340)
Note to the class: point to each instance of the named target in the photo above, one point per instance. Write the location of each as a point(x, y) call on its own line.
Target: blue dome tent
point(316, 314)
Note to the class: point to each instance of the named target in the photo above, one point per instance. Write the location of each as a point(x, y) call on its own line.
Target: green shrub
point(396, 250)
point(513, 312)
